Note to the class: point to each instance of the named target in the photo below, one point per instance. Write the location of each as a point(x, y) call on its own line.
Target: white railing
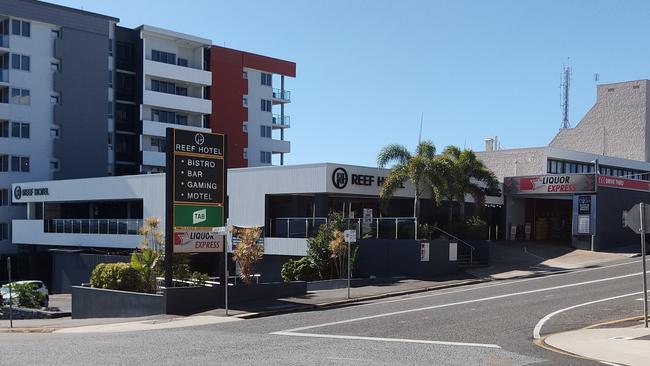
point(370, 228)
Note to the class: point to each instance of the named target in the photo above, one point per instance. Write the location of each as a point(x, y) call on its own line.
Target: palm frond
point(394, 153)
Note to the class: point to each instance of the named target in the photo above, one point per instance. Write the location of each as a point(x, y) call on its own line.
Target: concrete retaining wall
point(88, 302)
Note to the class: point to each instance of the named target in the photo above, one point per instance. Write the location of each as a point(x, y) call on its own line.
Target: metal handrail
point(471, 253)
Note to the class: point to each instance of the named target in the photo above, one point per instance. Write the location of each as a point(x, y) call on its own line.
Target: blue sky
point(367, 69)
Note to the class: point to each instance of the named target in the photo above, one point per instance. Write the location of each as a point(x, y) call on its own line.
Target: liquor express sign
point(550, 184)
point(196, 182)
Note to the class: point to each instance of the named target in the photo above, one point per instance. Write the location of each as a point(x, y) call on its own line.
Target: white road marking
point(494, 285)
point(461, 303)
point(540, 323)
point(401, 340)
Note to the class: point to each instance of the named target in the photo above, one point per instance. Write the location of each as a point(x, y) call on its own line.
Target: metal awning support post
point(643, 273)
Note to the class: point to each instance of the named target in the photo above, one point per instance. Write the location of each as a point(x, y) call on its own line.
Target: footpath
point(620, 343)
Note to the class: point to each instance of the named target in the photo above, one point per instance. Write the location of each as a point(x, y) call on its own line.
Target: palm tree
point(463, 173)
point(418, 169)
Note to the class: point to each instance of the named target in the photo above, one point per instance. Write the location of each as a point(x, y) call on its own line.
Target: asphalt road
point(486, 324)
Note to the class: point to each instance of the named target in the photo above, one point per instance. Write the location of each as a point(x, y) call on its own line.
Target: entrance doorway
point(549, 219)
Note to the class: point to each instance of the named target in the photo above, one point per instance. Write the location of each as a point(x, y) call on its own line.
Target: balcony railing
point(4, 75)
point(4, 41)
point(93, 226)
point(279, 120)
point(375, 228)
point(282, 94)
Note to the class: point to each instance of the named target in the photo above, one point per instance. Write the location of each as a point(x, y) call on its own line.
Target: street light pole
point(643, 273)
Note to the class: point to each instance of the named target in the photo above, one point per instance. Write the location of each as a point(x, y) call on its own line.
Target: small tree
point(145, 261)
point(339, 249)
point(247, 252)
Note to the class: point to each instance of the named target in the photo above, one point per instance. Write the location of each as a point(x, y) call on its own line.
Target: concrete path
point(512, 259)
point(155, 324)
point(625, 346)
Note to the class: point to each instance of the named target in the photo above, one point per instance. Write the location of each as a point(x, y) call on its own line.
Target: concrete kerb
point(27, 330)
point(542, 341)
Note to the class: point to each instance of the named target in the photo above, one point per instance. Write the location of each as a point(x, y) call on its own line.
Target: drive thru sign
point(637, 219)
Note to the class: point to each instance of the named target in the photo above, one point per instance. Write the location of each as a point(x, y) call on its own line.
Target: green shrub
point(116, 276)
point(27, 295)
point(199, 278)
point(299, 270)
point(474, 228)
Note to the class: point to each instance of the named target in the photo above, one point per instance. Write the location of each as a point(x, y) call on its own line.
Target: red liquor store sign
point(554, 184)
point(624, 183)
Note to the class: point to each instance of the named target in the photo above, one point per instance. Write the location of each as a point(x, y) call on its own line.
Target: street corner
point(617, 345)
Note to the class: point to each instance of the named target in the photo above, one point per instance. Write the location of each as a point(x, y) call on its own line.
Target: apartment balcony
point(280, 121)
point(178, 102)
point(175, 72)
point(281, 96)
point(153, 128)
point(100, 233)
point(153, 158)
point(280, 146)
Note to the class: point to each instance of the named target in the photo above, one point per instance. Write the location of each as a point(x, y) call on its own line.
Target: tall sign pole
point(195, 194)
point(643, 252)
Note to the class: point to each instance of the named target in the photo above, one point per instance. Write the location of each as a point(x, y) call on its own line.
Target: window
point(15, 129)
point(244, 127)
point(110, 109)
point(54, 165)
point(165, 57)
point(15, 27)
point(110, 141)
point(56, 33)
point(110, 78)
point(4, 197)
point(244, 102)
point(265, 157)
point(245, 75)
point(182, 62)
point(181, 90)
point(181, 120)
point(55, 99)
point(15, 61)
point(4, 128)
point(4, 163)
point(24, 130)
point(55, 66)
point(24, 63)
point(267, 79)
point(265, 131)
point(110, 47)
point(4, 231)
point(158, 144)
point(164, 87)
point(266, 105)
point(158, 115)
point(15, 163)
point(245, 153)
point(20, 96)
point(55, 131)
point(20, 28)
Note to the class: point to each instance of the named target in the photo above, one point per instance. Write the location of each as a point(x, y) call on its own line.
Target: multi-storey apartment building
point(54, 94)
point(248, 104)
point(162, 80)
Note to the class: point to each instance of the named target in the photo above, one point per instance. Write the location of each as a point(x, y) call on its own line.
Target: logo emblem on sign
point(340, 178)
point(199, 216)
point(199, 139)
point(18, 192)
point(529, 184)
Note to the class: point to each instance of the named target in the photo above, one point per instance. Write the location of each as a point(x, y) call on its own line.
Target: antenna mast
point(566, 80)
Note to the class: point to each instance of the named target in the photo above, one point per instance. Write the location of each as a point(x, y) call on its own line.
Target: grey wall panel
point(82, 115)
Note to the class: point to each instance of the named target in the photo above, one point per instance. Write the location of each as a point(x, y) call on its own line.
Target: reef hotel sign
point(550, 184)
point(196, 186)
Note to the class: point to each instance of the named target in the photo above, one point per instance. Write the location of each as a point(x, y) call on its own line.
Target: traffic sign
point(350, 236)
point(632, 218)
